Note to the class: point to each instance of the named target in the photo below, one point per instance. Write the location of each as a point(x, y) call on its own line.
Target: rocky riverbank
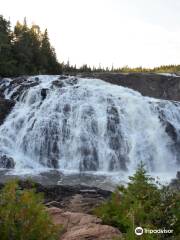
point(77, 198)
point(80, 226)
point(72, 207)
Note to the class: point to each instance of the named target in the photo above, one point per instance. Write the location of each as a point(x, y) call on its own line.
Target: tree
point(49, 61)
point(23, 216)
point(6, 58)
point(26, 49)
point(142, 203)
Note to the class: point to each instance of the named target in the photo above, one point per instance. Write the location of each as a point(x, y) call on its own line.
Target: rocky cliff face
point(165, 86)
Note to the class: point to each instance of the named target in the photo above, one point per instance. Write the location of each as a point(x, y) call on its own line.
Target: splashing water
point(76, 124)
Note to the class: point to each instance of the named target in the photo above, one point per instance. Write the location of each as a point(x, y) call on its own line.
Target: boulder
point(1, 94)
point(171, 131)
point(6, 162)
point(44, 93)
point(82, 226)
point(58, 83)
point(92, 232)
point(175, 183)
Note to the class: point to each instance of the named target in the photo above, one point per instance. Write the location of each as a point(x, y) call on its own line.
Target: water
point(88, 125)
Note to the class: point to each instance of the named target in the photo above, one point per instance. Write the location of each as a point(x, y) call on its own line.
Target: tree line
point(26, 50)
point(67, 68)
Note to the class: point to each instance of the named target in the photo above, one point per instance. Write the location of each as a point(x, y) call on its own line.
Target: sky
point(107, 32)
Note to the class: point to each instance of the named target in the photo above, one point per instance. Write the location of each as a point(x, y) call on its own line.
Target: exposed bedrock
point(6, 162)
point(148, 84)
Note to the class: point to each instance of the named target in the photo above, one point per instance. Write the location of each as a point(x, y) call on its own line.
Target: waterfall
point(79, 124)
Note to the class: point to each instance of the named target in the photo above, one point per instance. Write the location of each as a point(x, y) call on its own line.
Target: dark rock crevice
point(6, 106)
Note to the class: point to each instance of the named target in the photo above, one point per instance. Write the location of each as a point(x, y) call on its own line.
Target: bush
point(23, 215)
point(142, 203)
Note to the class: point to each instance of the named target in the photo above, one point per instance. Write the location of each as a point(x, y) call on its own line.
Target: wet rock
point(64, 81)
point(44, 93)
point(54, 163)
point(116, 141)
point(171, 131)
point(65, 131)
point(88, 149)
point(58, 83)
point(82, 226)
point(72, 81)
point(6, 162)
point(65, 194)
point(2, 94)
point(66, 108)
point(79, 198)
point(173, 134)
point(90, 160)
point(175, 183)
point(6, 106)
point(18, 80)
point(21, 88)
point(16, 86)
point(178, 175)
point(62, 77)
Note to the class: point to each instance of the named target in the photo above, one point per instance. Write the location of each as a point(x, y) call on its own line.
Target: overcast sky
point(118, 32)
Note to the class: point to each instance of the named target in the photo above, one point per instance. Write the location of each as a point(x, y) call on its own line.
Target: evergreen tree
point(48, 56)
point(23, 215)
point(25, 45)
point(6, 58)
point(142, 203)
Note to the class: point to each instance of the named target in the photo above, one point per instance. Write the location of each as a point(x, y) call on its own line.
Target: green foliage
point(6, 57)
point(142, 203)
point(23, 216)
point(48, 56)
point(160, 69)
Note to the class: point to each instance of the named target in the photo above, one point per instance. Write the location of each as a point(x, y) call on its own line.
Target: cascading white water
point(89, 125)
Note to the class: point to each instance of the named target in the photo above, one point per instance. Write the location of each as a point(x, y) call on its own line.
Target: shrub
point(23, 215)
point(142, 203)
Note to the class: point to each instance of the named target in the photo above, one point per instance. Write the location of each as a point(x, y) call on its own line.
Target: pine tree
point(142, 203)
point(6, 58)
point(49, 61)
point(25, 44)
